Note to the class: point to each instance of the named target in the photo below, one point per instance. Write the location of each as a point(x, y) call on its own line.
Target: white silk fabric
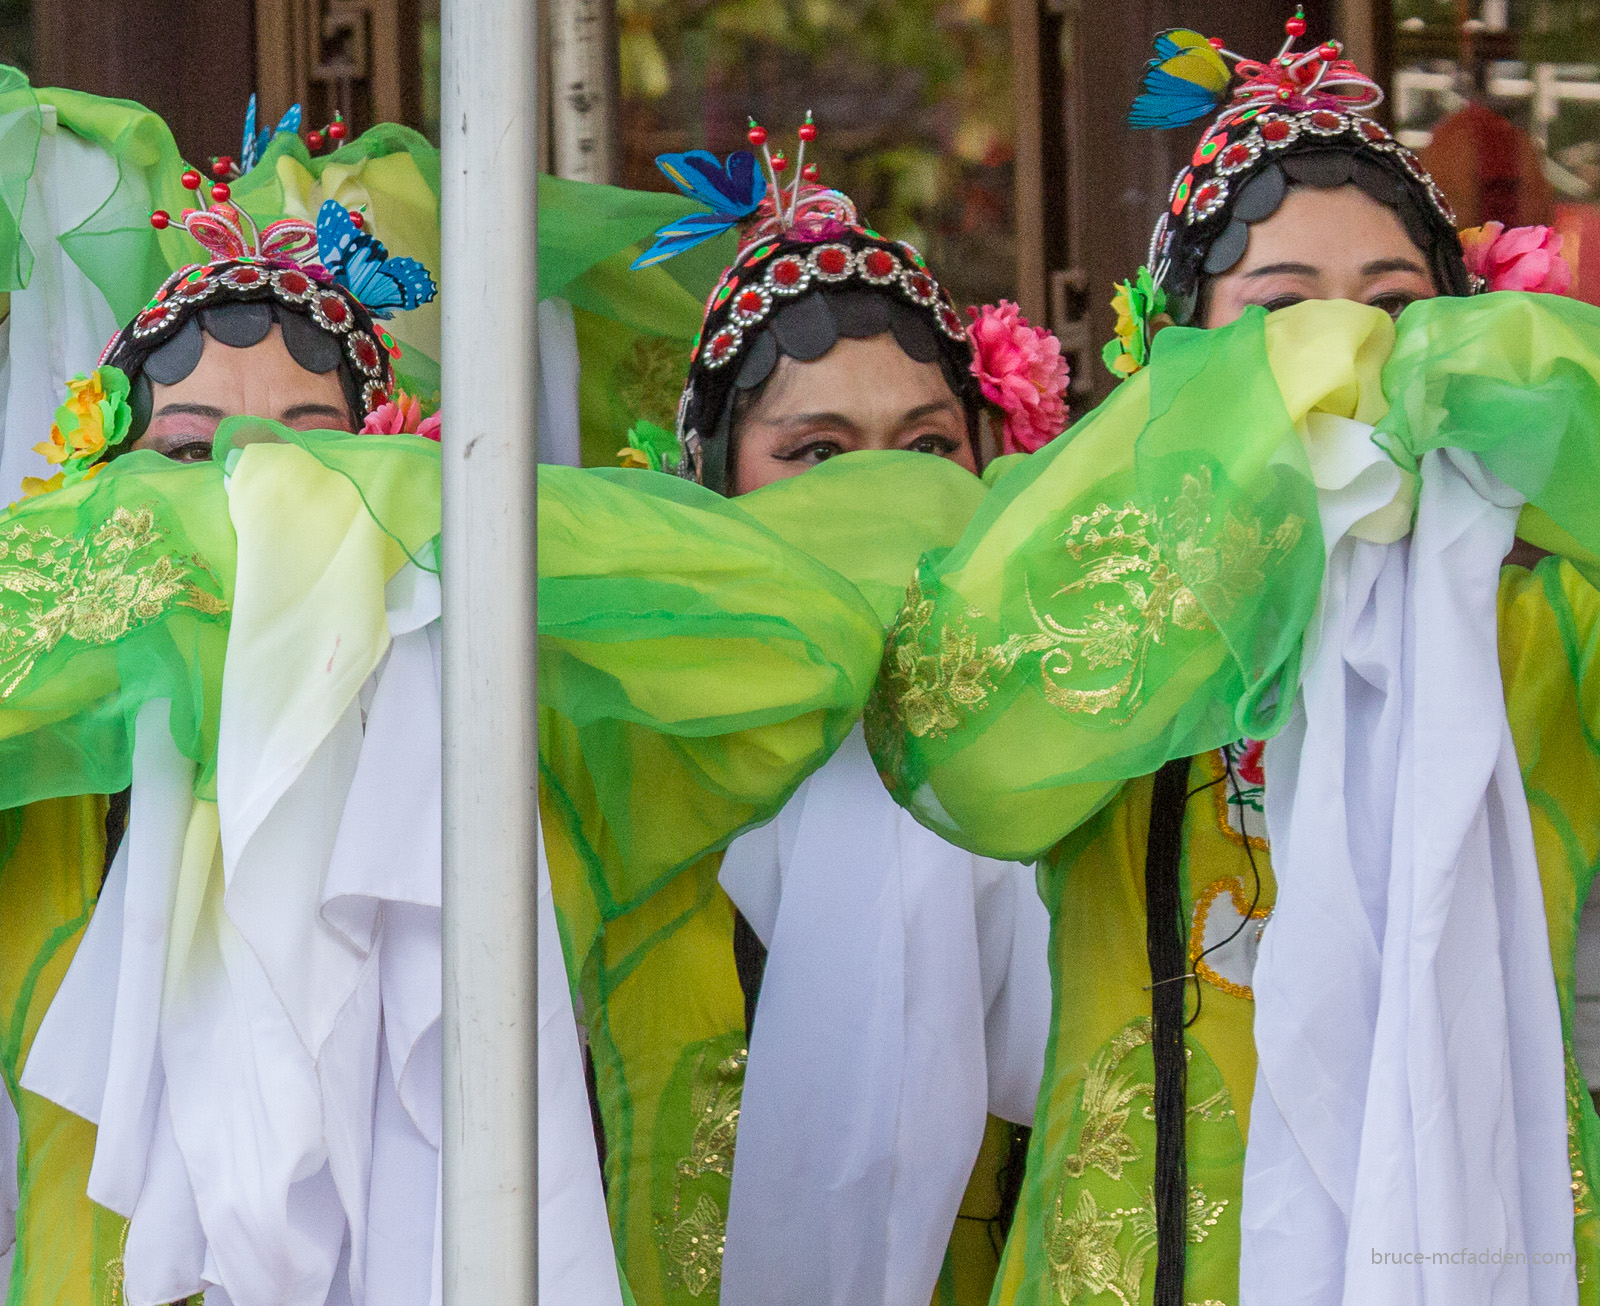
point(252, 1018)
point(906, 994)
point(59, 322)
point(1408, 1136)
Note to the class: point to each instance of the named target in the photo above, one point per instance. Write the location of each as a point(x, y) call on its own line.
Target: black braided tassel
point(1165, 938)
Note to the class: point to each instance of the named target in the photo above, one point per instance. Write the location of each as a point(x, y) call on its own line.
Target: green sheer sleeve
point(1135, 591)
point(117, 591)
point(693, 669)
point(1514, 378)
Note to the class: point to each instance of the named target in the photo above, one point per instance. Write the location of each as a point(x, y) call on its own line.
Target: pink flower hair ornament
point(402, 415)
point(1518, 258)
point(1022, 372)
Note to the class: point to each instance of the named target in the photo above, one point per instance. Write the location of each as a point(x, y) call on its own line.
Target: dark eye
point(818, 451)
point(1393, 303)
point(195, 451)
point(1283, 301)
point(942, 445)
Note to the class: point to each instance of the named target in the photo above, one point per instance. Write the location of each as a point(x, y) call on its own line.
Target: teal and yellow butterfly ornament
point(1187, 80)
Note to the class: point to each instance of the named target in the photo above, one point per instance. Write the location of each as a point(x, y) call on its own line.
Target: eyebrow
point(928, 410)
point(1379, 266)
point(839, 419)
point(1284, 269)
point(191, 410)
point(313, 410)
point(815, 419)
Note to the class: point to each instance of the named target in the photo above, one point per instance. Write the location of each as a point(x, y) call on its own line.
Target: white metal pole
point(490, 1159)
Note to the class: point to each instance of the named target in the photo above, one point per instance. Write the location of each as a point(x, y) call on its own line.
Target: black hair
point(810, 326)
point(1349, 151)
point(239, 325)
point(797, 295)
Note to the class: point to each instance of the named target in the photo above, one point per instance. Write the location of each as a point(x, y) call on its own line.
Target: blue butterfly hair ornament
point(254, 144)
point(733, 190)
point(358, 261)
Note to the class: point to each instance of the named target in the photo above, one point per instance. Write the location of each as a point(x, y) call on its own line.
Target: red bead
point(808, 131)
point(191, 180)
point(757, 135)
point(1215, 42)
point(358, 218)
point(221, 192)
point(810, 172)
point(1285, 92)
point(160, 219)
point(337, 130)
point(1330, 51)
point(314, 141)
point(779, 163)
point(221, 167)
point(1296, 27)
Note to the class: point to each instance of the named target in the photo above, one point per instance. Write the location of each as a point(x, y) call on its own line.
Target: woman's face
point(861, 394)
point(261, 381)
point(1323, 244)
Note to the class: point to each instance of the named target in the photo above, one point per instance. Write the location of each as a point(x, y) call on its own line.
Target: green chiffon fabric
point(1140, 590)
point(700, 656)
point(634, 329)
point(115, 592)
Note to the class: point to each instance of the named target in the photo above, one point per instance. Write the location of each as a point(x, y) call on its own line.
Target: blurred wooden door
point(362, 58)
point(192, 61)
point(1089, 188)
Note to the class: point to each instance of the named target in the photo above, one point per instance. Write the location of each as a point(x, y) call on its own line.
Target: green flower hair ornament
point(651, 447)
point(94, 420)
point(1141, 307)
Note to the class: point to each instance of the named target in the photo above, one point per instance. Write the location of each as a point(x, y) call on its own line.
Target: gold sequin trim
point(1234, 888)
point(693, 1243)
point(1222, 796)
point(92, 591)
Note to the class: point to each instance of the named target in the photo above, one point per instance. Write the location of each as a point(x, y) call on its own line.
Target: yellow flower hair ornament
point(93, 421)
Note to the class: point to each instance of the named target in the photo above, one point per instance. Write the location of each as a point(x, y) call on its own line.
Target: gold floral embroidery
point(694, 1246)
point(715, 1106)
point(1081, 1243)
point(1147, 574)
point(929, 691)
point(1582, 1196)
point(93, 590)
point(1082, 1252)
point(693, 1243)
point(1107, 1099)
point(1156, 575)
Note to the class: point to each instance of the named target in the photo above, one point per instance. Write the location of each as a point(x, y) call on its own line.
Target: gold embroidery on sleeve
point(1151, 575)
point(92, 590)
point(693, 1243)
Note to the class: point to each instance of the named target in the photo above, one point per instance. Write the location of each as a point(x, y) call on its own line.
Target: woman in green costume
point(1312, 1004)
point(822, 339)
point(142, 556)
